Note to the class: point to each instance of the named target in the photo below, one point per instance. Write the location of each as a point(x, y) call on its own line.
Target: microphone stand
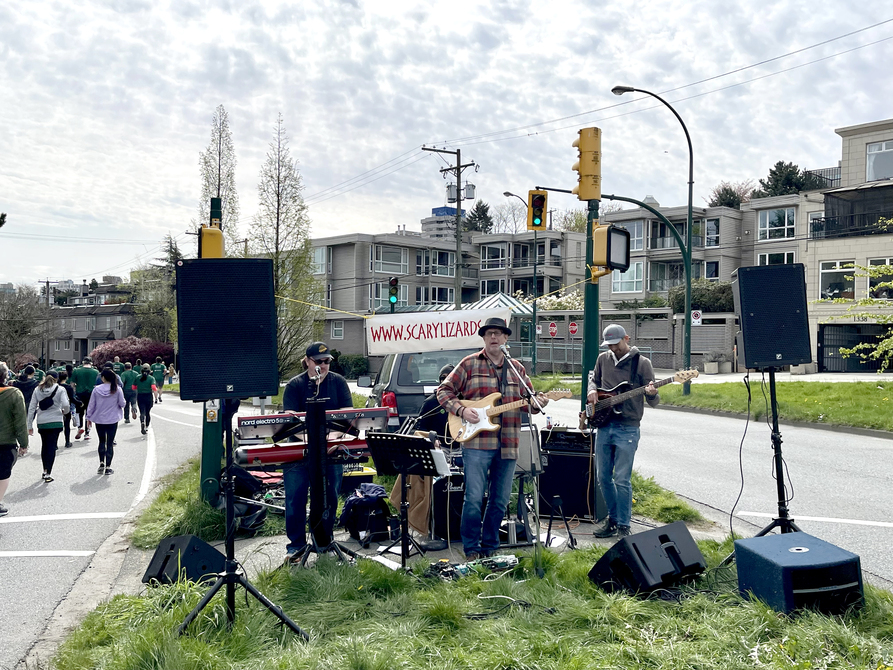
point(531, 401)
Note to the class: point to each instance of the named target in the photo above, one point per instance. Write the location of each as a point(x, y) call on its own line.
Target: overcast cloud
point(106, 107)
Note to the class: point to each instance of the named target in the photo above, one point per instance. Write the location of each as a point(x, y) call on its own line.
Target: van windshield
point(423, 369)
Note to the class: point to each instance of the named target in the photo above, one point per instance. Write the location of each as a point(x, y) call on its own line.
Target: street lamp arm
point(509, 194)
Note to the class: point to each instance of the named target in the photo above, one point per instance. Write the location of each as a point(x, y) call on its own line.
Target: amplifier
point(565, 440)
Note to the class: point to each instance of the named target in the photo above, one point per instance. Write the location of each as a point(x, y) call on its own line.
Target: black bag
point(366, 513)
point(249, 517)
point(47, 402)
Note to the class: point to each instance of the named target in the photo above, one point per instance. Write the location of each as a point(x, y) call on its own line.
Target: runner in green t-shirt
point(158, 370)
point(118, 366)
point(39, 374)
point(128, 380)
point(144, 385)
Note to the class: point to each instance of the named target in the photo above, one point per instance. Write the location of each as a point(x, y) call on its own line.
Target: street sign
point(696, 317)
point(539, 329)
point(572, 327)
point(553, 329)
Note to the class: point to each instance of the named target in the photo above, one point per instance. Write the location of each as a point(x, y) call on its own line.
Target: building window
point(879, 161)
point(337, 330)
point(776, 224)
point(62, 324)
point(91, 324)
point(711, 233)
point(422, 262)
point(67, 345)
point(492, 287)
point(876, 285)
point(636, 234)
point(837, 280)
point(711, 270)
point(435, 295)
point(493, 256)
point(329, 296)
point(521, 255)
point(444, 264)
point(393, 260)
point(319, 260)
point(629, 281)
point(57, 345)
point(664, 276)
point(781, 258)
point(579, 255)
point(663, 238)
point(378, 296)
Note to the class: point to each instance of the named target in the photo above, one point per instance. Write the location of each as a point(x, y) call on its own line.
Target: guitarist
point(489, 458)
point(617, 441)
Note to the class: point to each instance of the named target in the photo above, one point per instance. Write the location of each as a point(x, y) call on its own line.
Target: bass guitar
point(462, 430)
point(600, 412)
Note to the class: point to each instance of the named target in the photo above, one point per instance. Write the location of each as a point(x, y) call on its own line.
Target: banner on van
point(428, 331)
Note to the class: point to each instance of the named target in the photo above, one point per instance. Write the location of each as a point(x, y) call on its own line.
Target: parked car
point(405, 380)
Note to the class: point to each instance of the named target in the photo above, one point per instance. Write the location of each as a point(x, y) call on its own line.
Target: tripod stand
point(232, 575)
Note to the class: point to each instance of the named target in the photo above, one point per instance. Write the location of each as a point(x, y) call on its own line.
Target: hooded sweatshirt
point(52, 417)
point(26, 385)
point(105, 406)
point(13, 421)
point(609, 372)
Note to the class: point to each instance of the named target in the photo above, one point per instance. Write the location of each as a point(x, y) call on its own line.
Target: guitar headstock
point(685, 375)
point(557, 394)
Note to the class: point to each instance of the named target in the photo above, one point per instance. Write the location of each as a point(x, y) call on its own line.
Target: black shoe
point(3, 511)
point(109, 471)
point(624, 531)
point(101, 470)
point(472, 556)
point(68, 445)
point(607, 529)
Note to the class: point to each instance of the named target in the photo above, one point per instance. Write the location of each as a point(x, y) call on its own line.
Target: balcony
point(663, 285)
point(830, 177)
point(850, 225)
point(669, 242)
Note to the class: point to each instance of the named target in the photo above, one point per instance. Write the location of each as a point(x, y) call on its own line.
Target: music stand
point(231, 574)
point(395, 454)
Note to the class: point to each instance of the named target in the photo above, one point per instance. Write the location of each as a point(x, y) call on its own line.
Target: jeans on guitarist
point(618, 370)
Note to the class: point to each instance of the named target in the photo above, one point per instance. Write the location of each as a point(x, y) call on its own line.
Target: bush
point(717, 356)
point(132, 348)
point(706, 295)
point(353, 365)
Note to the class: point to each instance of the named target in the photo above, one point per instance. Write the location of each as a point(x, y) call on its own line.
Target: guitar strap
point(634, 379)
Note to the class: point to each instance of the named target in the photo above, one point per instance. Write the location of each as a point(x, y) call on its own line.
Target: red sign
point(553, 329)
point(572, 327)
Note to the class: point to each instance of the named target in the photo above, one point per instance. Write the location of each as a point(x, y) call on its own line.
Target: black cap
point(87, 359)
point(495, 322)
point(318, 350)
point(445, 371)
point(53, 374)
point(29, 370)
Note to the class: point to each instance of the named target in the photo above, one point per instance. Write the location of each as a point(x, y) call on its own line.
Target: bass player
point(617, 441)
point(489, 457)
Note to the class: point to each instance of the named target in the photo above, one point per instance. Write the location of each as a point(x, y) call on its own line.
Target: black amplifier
point(565, 440)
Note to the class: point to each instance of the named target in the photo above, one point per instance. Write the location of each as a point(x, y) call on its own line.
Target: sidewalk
point(755, 375)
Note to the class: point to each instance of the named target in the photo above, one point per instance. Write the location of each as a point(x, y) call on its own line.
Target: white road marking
point(63, 517)
point(45, 554)
point(822, 519)
point(148, 469)
point(179, 423)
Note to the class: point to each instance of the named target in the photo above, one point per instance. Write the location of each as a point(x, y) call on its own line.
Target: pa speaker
point(770, 302)
point(196, 559)
point(655, 559)
point(795, 571)
point(226, 321)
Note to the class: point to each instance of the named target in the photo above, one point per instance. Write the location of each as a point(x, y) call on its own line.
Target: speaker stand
point(231, 576)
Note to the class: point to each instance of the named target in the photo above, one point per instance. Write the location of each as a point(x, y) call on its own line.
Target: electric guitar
point(598, 414)
point(463, 430)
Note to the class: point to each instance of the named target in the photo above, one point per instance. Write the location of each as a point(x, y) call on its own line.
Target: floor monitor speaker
point(770, 302)
point(794, 571)
point(196, 559)
point(658, 558)
point(226, 322)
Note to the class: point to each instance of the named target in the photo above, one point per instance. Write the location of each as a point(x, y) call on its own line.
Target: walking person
point(105, 411)
point(26, 383)
point(145, 392)
point(616, 443)
point(128, 379)
point(83, 378)
point(72, 414)
point(13, 431)
point(159, 369)
point(48, 405)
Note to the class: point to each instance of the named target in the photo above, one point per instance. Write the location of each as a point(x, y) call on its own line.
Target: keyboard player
point(333, 388)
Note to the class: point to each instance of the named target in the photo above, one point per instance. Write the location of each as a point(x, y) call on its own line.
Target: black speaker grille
point(226, 319)
point(770, 301)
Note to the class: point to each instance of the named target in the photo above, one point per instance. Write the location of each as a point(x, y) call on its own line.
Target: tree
point(479, 219)
point(730, 194)
point(130, 349)
point(94, 284)
point(155, 303)
point(217, 165)
point(23, 318)
point(571, 221)
point(2, 218)
point(785, 179)
point(281, 231)
point(510, 217)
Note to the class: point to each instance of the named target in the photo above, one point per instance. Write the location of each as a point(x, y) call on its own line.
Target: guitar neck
point(499, 409)
point(617, 399)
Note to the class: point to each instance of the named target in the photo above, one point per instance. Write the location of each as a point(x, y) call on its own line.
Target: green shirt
point(118, 368)
point(128, 378)
point(84, 379)
point(158, 370)
point(144, 386)
point(39, 374)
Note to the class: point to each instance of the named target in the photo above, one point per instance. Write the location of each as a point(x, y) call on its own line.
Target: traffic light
point(393, 290)
point(589, 164)
point(610, 247)
point(537, 202)
point(210, 242)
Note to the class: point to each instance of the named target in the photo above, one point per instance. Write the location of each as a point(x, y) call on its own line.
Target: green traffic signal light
point(539, 204)
point(394, 290)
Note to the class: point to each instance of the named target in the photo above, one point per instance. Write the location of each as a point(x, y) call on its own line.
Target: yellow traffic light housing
point(589, 164)
point(210, 242)
point(537, 206)
point(610, 247)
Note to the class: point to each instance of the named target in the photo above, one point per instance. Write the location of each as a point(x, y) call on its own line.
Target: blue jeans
point(322, 522)
point(482, 536)
point(615, 447)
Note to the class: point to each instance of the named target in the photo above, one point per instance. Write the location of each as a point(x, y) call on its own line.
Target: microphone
point(318, 373)
point(432, 436)
point(504, 349)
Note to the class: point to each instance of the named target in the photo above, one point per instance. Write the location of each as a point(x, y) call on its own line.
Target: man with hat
point(616, 442)
point(489, 457)
point(316, 381)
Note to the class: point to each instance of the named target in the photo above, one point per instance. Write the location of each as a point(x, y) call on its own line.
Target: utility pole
point(457, 171)
point(45, 345)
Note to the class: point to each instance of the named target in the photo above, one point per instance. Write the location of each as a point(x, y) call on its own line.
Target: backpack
point(47, 402)
point(366, 514)
point(249, 517)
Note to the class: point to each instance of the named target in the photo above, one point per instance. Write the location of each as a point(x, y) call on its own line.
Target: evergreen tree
point(217, 165)
point(730, 194)
point(785, 179)
point(479, 219)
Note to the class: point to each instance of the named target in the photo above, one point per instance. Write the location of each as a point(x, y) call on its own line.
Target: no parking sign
point(696, 317)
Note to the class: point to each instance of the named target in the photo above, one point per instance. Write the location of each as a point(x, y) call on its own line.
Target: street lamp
point(686, 251)
point(509, 194)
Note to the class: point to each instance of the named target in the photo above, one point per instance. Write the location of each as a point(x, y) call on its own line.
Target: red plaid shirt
point(476, 377)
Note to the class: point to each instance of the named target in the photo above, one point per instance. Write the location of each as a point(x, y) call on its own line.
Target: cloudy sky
point(106, 106)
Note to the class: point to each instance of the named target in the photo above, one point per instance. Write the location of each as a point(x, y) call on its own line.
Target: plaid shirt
point(476, 377)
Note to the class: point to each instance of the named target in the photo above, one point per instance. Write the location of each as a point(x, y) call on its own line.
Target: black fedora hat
point(494, 322)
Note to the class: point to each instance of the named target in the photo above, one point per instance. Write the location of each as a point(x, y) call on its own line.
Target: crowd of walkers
point(67, 398)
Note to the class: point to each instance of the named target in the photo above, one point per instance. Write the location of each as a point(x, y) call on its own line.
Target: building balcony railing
point(829, 176)
point(470, 273)
point(554, 261)
point(663, 285)
point(669, 242)
point(851, 225)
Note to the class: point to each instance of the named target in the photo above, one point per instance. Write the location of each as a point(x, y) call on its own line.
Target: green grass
point(366, 617)
point(858, 404)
